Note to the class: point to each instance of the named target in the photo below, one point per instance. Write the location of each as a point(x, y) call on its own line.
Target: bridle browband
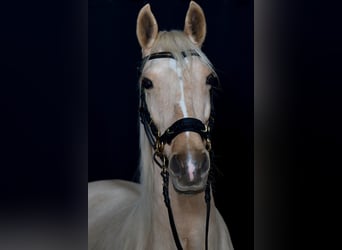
point(158, 141)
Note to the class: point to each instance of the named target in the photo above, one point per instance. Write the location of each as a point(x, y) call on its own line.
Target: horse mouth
point(189, 191)
point(188, 188)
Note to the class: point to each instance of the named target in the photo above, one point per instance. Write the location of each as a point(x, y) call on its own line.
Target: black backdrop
point(114, 55)
point(45, 140)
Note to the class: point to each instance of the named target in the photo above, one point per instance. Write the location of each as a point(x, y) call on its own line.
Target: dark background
point(114, 54)
point(46, 137)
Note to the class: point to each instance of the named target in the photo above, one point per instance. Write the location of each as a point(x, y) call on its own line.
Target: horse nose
point(190, 166)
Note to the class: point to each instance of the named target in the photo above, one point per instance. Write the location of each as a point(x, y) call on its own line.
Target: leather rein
point(158, 141)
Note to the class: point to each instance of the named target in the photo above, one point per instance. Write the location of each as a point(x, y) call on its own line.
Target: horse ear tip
point(195, 8)
point(193, 4)
point(147, 7)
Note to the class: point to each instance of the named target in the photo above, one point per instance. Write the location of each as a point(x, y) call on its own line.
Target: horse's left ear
point(195, 26)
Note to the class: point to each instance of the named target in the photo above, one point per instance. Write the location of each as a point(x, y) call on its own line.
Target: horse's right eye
point(146, 83)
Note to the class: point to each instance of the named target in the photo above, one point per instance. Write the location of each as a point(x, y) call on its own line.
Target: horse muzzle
point(189, 171)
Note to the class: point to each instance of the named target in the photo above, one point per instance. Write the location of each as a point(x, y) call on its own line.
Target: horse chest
point(191, 233)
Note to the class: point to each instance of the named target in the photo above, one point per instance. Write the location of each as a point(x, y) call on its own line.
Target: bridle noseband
point(158, 141)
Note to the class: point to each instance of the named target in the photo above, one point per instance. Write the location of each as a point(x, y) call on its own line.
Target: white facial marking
point(191, 169)
point(173, 65)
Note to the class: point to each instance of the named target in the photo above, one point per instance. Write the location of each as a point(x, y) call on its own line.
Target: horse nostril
point(176, 165)
point(204, 163)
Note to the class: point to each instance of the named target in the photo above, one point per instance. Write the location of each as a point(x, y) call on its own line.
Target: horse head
point(176, 82)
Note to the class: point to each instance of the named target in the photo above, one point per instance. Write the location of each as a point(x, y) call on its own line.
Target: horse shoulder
point(109, 197)
point(222, 235)
point(109, 202)
point(109, 194)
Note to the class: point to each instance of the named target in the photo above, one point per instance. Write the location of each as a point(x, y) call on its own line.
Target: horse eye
point(146, 83)
point(213, 80)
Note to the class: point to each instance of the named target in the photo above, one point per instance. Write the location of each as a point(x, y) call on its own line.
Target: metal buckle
point(208, 144)
point(159, 146)
point(206, 129)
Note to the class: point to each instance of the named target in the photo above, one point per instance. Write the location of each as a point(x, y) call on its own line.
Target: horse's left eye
point(146, 83)
point(213, 80)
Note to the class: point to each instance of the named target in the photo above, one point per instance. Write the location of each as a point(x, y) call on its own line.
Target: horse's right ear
point(147, 28)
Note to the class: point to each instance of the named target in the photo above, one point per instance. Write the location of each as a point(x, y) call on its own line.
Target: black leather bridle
point(158, 140)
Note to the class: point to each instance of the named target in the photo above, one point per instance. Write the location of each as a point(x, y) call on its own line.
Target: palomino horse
point(176, 112)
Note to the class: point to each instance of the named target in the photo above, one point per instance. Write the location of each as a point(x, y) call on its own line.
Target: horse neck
point(189, 211)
